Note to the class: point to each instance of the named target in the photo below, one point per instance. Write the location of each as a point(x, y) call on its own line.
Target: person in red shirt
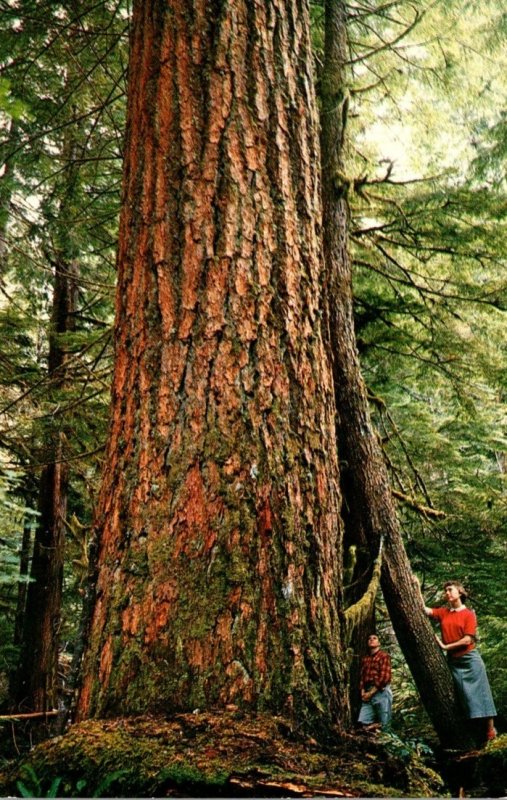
point(458, 625)
point(375, 685)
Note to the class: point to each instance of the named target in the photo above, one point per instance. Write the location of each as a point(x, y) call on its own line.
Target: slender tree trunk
point(361, 452)
point(37, 674)
point(24, 564)
point(38, 669)
point(220, 538)
point(5, 200)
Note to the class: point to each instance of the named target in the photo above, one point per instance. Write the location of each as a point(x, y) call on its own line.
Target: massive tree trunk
point(361, 453)
point(219, 571)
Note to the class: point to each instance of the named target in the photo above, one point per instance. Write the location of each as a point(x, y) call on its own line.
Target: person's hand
point(417, 586)
point(440, 643)
point(365, 696)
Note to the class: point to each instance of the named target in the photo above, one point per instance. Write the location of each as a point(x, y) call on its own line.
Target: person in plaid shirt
point(375, 685)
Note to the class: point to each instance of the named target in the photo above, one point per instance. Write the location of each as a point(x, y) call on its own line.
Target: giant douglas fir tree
point(219, 532)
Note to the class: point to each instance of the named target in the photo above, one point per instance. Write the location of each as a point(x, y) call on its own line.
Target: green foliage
point(493, 635)
point(491, 768)
point(15, 515)
point(405, 749)
point(11, 106)
point(59, 201)
point(32, 786)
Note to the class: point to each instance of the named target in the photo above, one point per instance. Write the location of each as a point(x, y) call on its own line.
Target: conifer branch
point(426, 511)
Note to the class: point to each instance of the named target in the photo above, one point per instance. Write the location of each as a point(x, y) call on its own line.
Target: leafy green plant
point(108, 781)
point(405, 749)
point(33, 788)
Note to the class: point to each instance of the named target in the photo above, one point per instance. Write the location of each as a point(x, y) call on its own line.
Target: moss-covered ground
point(231, 755)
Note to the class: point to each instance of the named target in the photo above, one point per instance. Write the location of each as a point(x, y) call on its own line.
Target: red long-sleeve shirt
point(376, 670)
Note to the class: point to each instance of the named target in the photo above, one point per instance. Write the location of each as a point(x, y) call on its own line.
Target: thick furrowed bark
point(219, 563)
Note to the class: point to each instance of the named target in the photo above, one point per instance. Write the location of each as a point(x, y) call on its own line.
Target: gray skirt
point(469, 674)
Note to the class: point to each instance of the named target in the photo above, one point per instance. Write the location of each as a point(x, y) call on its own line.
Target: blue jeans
point(378, 709)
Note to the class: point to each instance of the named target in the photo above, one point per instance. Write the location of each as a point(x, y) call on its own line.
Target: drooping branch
point(359, 611)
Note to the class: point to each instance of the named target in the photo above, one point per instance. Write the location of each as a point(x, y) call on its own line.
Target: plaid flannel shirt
point(376, 670)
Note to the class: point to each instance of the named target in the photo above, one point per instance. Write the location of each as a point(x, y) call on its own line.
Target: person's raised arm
point(417, 585)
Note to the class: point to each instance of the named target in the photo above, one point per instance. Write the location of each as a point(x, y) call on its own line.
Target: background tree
point(367, 476)
point(59, 216)
point(427, 280)
point(38, 668)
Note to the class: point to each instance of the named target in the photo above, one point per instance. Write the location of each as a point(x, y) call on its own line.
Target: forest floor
point(232, 755)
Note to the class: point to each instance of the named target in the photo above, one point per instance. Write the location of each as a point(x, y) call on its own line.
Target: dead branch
point(33, 715)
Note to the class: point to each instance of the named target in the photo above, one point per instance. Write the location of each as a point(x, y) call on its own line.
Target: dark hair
point(459, 586)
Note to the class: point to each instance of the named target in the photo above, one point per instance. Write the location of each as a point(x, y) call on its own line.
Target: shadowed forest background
point(353, 288)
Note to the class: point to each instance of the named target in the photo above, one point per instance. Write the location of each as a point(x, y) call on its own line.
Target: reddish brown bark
point(219, 573)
